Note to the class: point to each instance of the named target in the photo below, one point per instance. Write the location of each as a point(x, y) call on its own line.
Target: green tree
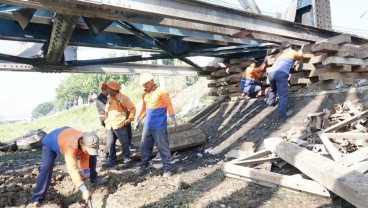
point(42, 109)
point(82, 84)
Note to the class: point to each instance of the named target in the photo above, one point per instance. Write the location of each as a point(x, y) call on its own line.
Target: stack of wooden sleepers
point(331, 62)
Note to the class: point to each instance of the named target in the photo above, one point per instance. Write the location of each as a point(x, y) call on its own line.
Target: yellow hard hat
point(145, 77)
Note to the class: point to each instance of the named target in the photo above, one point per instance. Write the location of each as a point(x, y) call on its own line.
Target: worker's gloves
point(173, 124)
point(86, 195)
point(136, 125)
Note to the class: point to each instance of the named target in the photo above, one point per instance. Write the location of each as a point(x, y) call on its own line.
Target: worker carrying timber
point(250, 84)
point(156, 104)
point(278, 77)
point(70, 143)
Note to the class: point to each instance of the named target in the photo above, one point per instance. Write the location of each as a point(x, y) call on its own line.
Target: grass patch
point(84, 118)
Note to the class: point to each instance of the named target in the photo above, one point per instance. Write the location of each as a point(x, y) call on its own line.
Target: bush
point(42, 109)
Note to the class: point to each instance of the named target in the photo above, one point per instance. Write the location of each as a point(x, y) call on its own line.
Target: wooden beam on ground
point(252, 180)
point(346, 122)
point(354, 157)
point(335, 153)
point(346, 135)
point(278, 179)
point(253, 156)
point(343, 181)
point(257, 161)
point(177, 140)
point(361, 167)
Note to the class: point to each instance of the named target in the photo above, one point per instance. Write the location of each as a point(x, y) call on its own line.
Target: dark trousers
point(160, 138)
point(122, 135)
point(45, 174)
point(130, 135)
point(278, 84)
point(92, 167)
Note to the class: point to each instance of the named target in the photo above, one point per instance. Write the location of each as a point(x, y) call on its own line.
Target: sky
point(22, 91)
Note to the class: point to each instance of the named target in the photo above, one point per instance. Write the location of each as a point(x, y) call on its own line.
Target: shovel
point(89, 203)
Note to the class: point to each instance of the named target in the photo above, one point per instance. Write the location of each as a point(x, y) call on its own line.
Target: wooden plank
point(256, 155)
point(330, 76)
point(177, 141)
point(345, 135)
point(317, 59)
point(209, 68)
point(325, 47)
point(357, 156)
point(225, 79)
point(361, 167)
point(335, 153)
point(304, 67)
point(278, 179)
point(308, 55)
point(361, 54)
point(347, 61)
point(339, 39)
point(256, 161)
point(213, 94)
point(252, 180)
point(234, 69)
point(347, 183)
point(345, 52)
point(220, 73)
point(346, 122)
point(236, 61)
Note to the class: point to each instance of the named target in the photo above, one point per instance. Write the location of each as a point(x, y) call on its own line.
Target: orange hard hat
point(103, 85)
point(113, 85)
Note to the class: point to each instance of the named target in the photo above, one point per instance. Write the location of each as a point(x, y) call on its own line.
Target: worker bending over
point(279, 76)
point(70, 143)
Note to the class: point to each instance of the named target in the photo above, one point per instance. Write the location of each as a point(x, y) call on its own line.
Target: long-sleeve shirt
point(64, 141)
point(285, 59)
point(156, 104)
point(101, 104)
point(116, 111)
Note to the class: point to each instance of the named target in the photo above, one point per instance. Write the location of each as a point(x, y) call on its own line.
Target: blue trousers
point(45, 174)
point(250, 86)
point(92, 167)
point(160, 138)
point(122, 135)
point(278, 84)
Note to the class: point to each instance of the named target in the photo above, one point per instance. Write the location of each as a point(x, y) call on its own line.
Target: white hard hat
point(145, 77)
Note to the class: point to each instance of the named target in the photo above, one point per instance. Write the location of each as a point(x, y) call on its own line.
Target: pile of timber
point(182, 137)
point(332, 156)
point(334, 61)
point(224, 78)
point(331, 62)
